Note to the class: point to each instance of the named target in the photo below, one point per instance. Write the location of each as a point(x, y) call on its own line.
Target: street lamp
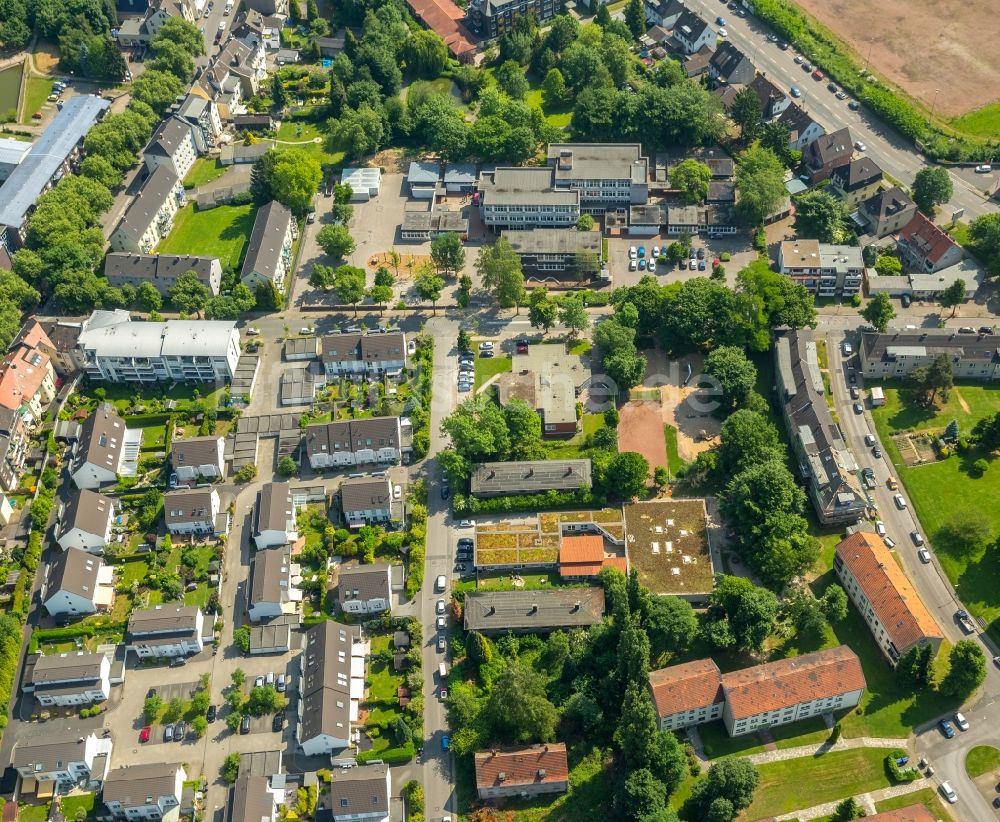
point(868, 59)
point(934, 102)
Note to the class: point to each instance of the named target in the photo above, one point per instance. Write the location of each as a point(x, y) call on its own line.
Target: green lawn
point(983, 122)
point(928, 485)
point(382, 683)
point(674, 461)
point(297, 131)
point(717, 741)
point(37, 91)
point(925, 796)
point(438, 86)
point(573, 447)
point(486, 368)
point(204, 170)
point(982, 759)
point(33, 813)
point(812, 780)
point(812, 731)
point(558, 116)
point(581, 347)
point(72, 805)
point(220, 232)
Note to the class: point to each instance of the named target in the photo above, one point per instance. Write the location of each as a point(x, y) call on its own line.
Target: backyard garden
point(221, 232)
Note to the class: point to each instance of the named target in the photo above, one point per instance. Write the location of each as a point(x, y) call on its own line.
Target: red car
point(817, 75)
point(144, 733)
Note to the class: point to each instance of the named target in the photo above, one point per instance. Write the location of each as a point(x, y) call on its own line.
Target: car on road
point(860, 146)
point(841, 95)
point(441, 644)
point(946, 728)
point(444, 742)
point(464, 523)
point(859, 408)
point(996, 801)
point(783, 45)
point(961, 721)
point(924, 556)
point(984, 169)
point(259, 682)
point(445, 490)
point(795, 91)
point(720, 20)
point(799, 58)
point(245, 725)
point(900, 501)
point(723, 33)
point(442, 623)
point(948, 792)
point(145, 732)
point(439, 607)
point(854, 105)
point(832, 87)
point(486, 346)
point(891, 484)
point(222, 25)
point(818, 75)
point(870, 440)
point(444, 695)
point(996, 661)
point(877, 452)
point(278, 722)
point(917, 538)
point(439, 583)
point(211, 713)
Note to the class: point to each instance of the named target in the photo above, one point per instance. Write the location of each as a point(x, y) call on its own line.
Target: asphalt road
point(897, 157)
point(947, 756)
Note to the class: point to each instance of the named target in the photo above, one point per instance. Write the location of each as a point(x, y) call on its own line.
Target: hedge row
point(890, 105)
point(464, 505)
point(391, 756)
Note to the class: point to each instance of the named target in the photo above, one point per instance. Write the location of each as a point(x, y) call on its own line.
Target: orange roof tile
point(685, 687)
point(581, 549)
point(521, 766)
point(893, 598)
point(925, 236)
point(621, 563)
point(911, 813)
point(443, 17)
point(21, 374)
point(787, 682)
point(33, 335)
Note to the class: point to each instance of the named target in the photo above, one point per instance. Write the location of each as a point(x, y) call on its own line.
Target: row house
point(145, 792)
point(58, 761)
point(824, 269)
point(364, 441)
point(150, 216)
point(533, 770)
point(160, 270)
point(365, 589)
point(68, 679)
point(274, 516)
point(896, 354)
point(105, 450)
point(372, 356)
point(167, 630)
point(366, 501)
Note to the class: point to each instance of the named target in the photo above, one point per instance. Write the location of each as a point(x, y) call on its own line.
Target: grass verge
point(982, 759)
point(490, 367)
point(37, 91)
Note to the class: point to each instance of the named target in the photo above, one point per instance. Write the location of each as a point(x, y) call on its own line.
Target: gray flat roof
point(553, 241)
point(545, 610)
point(27, 182)
point(498, 478)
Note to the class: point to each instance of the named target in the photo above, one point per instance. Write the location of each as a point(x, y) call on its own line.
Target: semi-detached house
point(166, 631)
point(198, 457)
point(274, 516)
point(363, 355)
point(533, 770)
point(269, 586)
point(60, 760)
point(106, 449)
point(147, 792)
point(366, 501)
point(360, 794)
point(358, 442)
point(77, 584)
point(364, 589)
point(85, 522)
point(68, 679)
point(194, 511)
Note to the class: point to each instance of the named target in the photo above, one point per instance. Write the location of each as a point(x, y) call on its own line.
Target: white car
point(486, 346)
point(948, 792)
point(222, 25)
point(880, 528)
point(397, 492)
point(633, 253)
point(962, 722)
point(860, 146)
point(848, 350)
point(306, 331)
point(442, 623)
point(651, 268)
point(984, 169)
point(723, 33)
point(439, 607)
point(900, 501)
point(924, 555)
point(656, 251)
point(411, 347)
point(440, 583)
point(253, 331)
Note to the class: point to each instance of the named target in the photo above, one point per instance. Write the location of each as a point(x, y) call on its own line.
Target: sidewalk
point(867, 800)
point(824, 747)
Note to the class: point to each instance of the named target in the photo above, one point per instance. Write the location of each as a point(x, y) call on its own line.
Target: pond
point(10, 86)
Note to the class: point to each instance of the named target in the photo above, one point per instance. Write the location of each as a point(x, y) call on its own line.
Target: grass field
point(80, 806)
point(983, 122)
point(573, 447)
point(925, 796)
point(204, 170)
point(717, 741)
point(558, 116)
point(967, 496)
point(220, 232)
point(490, 367)
point(812, 780)
point(440, 85)
point(37, 91)
point(298, 130)
point(982, 759)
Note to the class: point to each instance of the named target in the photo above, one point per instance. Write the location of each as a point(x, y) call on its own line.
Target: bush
point(895, 771)
point(549, 500)
point(391, 756)
point(834, 734)
point(980, 467)
point(725, 256)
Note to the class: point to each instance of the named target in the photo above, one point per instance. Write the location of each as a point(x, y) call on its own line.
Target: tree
point(671, 623)
point(737, 376)
point(821, 216)
point(157, 89)
point(279, 97)
point(967, 669)
point(100, 169)
point(335, 240)
point(661, 476)
point(349, 285)
point(511, 80)
point(627, 475)
point(585, 223)
point(879, 311)
point(986, 433)
point(425, 53)
point(238, 678)
point(321, 276)
point(644, 797)
point(933, 379)
point(295, 178)
point(847, 810)
point(915, 665)
point(519, 707)
point(965, 535)
point(500, 272)
point(887, 265)
point(189, 294)
point(287, 466)
point(380, 295)
point(953, 296)
point(199, 726)
point(834, 603)
point(231, 766)
point(265, 700)
point(635, 18)
point(984, 236)
point(554, 89)
point(148, 298)
point(542, 311)
point(746, 112)
point(635, 735)
point(747, 438)
point(478, 430)
point(603, 16)
point(573, 315)
point(749, 612)
point(760, 178)
point(733, 779)
point(151, 708)
point(931, 187)
point(626, 367)
point(464, 341)
point(447, 252)
point(691, 178)
point(429, 286)
point(358, 131)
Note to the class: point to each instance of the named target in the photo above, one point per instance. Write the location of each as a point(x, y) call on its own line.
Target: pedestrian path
point(825, 747)
point(866, 800)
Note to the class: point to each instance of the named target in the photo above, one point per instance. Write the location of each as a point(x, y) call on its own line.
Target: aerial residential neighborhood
point(499, 411)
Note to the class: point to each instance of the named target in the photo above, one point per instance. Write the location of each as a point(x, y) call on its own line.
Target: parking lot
point(736, 245)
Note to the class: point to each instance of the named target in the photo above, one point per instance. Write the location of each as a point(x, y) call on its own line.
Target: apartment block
point(687, 694)
point(896, 354)
point(825, 270)
point(150, 217)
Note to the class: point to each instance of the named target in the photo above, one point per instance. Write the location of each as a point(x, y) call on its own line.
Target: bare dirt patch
point(45, 57)
point(940, 51)
point(915, 449)
point(962, 402)
point(640, 429)
point(696, 432)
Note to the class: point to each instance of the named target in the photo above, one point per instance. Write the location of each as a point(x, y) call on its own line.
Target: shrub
point(725, 256)
point(980, 467)
point(896, 772)
point(834, 734)
point(391, 756)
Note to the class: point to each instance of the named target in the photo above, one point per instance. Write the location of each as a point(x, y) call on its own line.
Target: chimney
point(493, 610)
point(576, 607)
point(534, 608)
point(492, 474)
point(541, 773)
point(502, 776)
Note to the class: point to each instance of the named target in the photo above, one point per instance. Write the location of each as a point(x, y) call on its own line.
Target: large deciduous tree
point(879, 311)
point(967, 669)
point(737, 376)
point(691, 178)
point(500, 272)
point(931, 187)
point(760, 179)
point(821, 216)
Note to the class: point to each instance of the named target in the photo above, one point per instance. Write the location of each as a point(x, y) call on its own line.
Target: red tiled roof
point(521, 766)
point(787, 682)
point(588, 548)
point(893, 598)
point(685, 687)
point(926, 238)
point(911, 813)
point(22, 372)
point(443, 17)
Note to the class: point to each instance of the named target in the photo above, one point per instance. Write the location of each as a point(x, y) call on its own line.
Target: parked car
point(168, 733)
point(464, 523)
point(259, 682)
point(269, 679)
point(795, 91)
point(439, 583)
point(651, 267)
point(180, 730)
point(278, 722)
point(445, 490)
point(889, 542)
point(859, 408)
point(702, 265)
point(145, 732)
point(924, 555)
point(281, 685)
point(633, 252)
point(439, 607)
point(961, 721)
point(841, 95)
point(870, 440)
point(245, 725)
point(642, 251)
point(860, 146)
point(633, 265)
point(855, 393)
point(211, 713)
point(701, 253)
point(444, 739)
point(877, 452)
point(464, 387)
point(832, 87)
point(444, 695)
point(723, 33)
point(984, 169)
point(818, 75)
point(917, 538)
point(948, 792)
point(807, 67)
point(946, 728)
point(854, 105)
point(521, 346)
point(900, 501)
point(880, 528)
point(441, 644)
point(442, 623)
point(798, 58)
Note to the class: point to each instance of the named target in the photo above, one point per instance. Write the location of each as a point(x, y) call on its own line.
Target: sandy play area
point(696, 431)
point(941, 51)
point(640, 429)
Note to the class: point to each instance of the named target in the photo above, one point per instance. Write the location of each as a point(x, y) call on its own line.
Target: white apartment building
point(172, 145)
point(150, 217)
point(147, 792)
point(825, 270)
point(68, 679)
point(895, 354)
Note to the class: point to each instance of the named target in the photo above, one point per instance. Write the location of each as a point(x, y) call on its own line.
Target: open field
point(220, 232)
point(948, 66)
point(641, 430)
point(950, 479)
point(35, 95)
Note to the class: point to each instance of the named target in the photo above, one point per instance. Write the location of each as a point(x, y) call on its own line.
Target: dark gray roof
point(253, 120)
point(250, 800)
point(423, 173)
point(269, 576)
point(983, 348)
point(101, 438)
point(597, 161)
point(887, 203)
point(767, 93)
point(830, 148)
point(27, 182)
point(194, 452)
point(363, 582)
point(796, 120)
point(360, 790)
point(52, 751)
point(365, 494)
point(126, 265)
point(74, 571)
point(460, 173)
point(87, 510)
point(729, 60)
point(134, 785)
point(151, 197)
point(167, 139)
point(363, 347)
point(326, 679)
point(163, 619)
point(856, 174)
point(62, 668)
point(722, 191)
point(274, 507)
point(545, 610)
point(499, 478)
point(188, 505)
point(690, 25)
point(300, 345)
point(264, 249)
point(350, 435)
